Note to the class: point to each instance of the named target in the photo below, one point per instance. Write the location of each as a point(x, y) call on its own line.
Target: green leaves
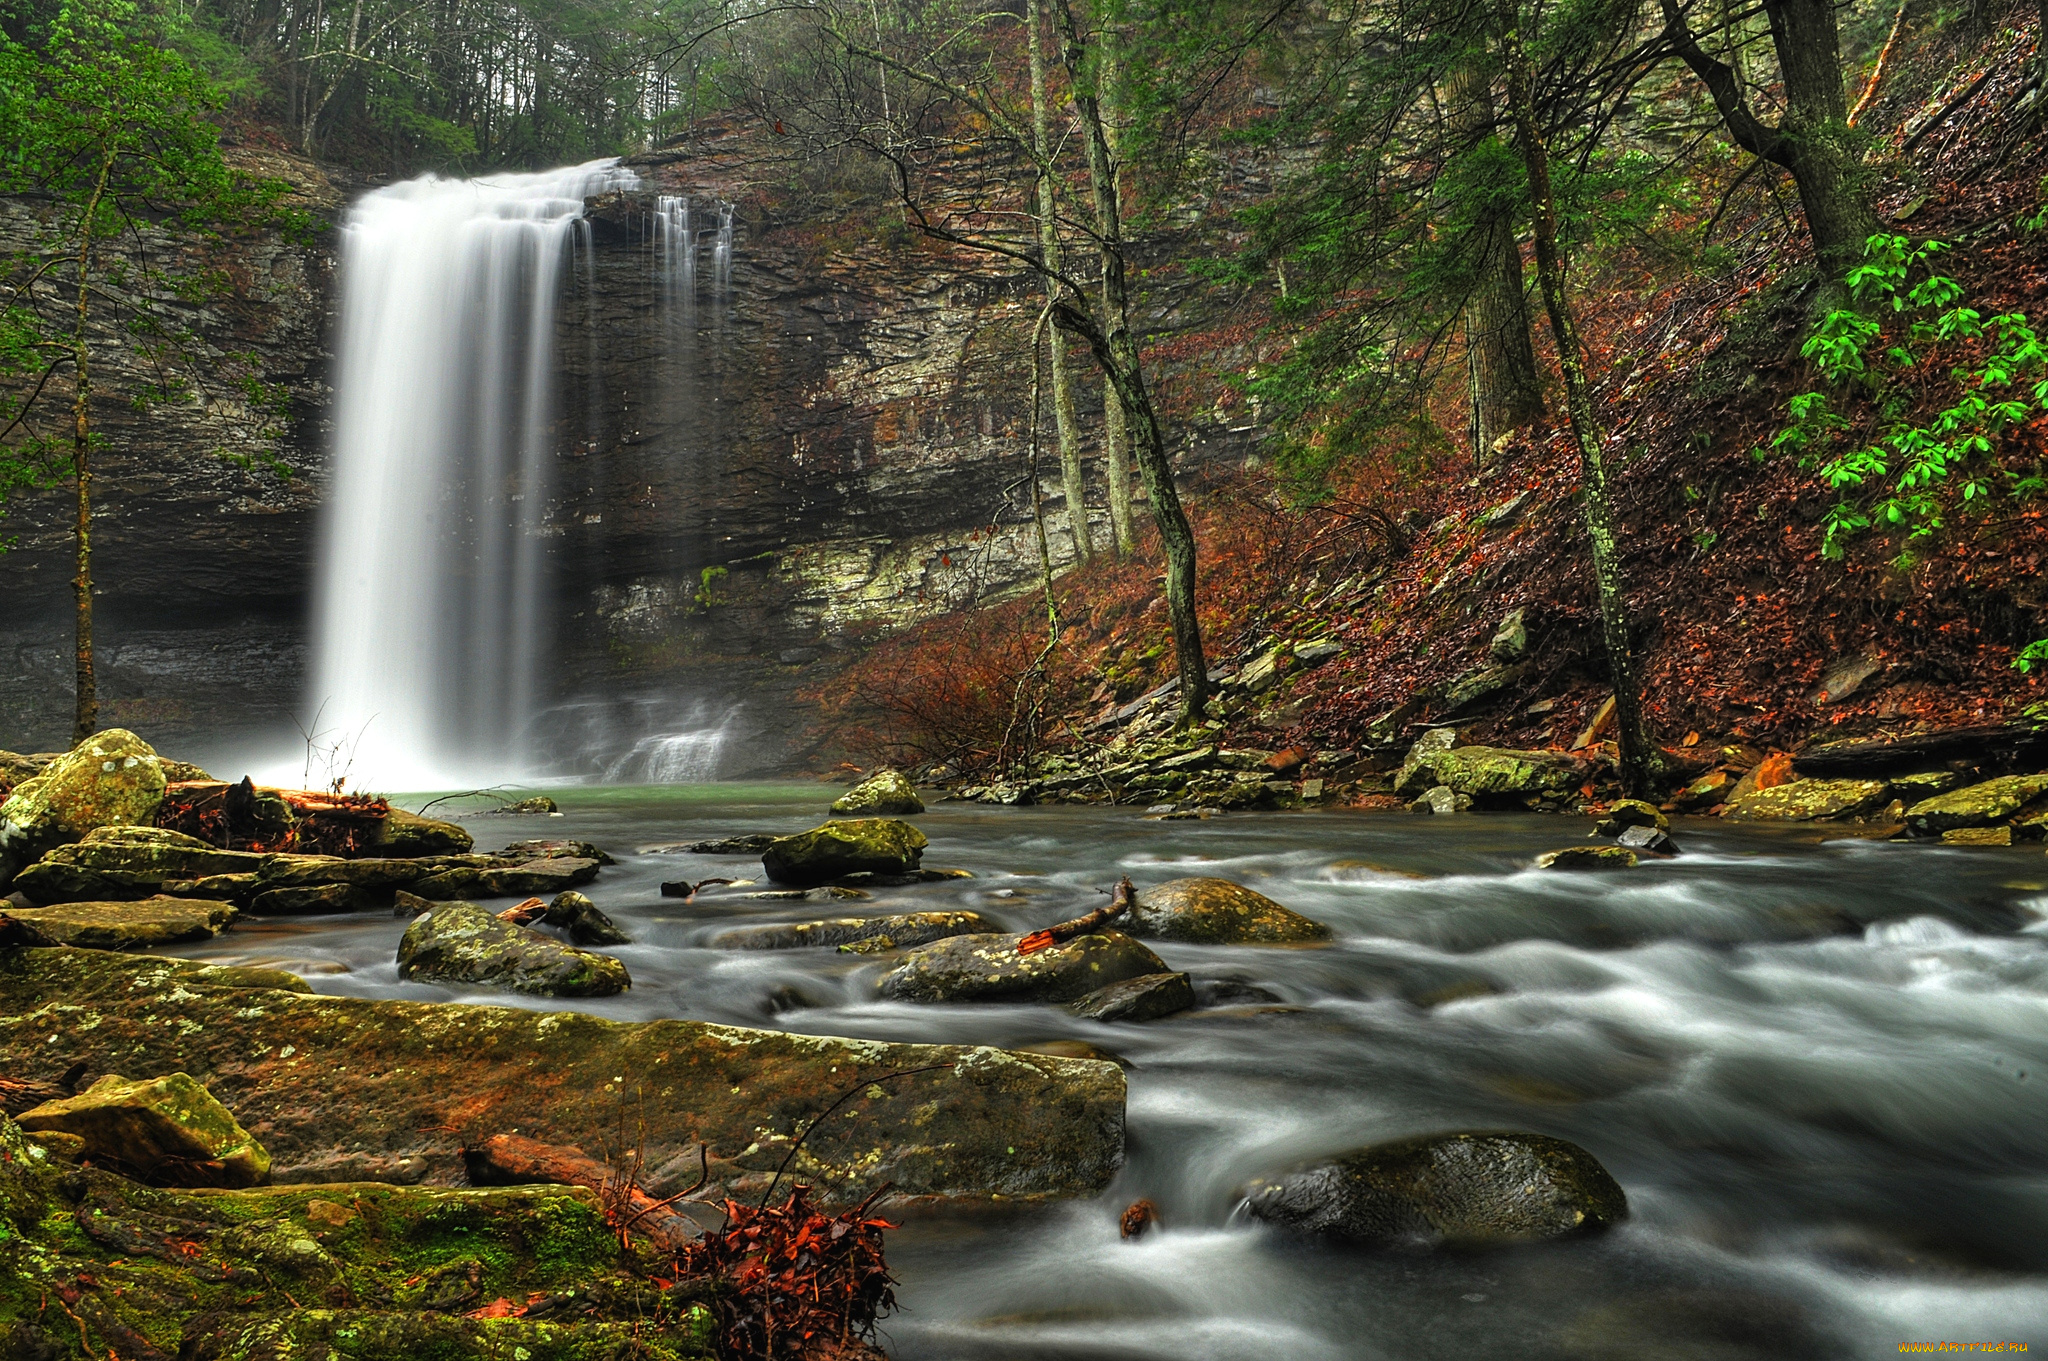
point(1917, 469)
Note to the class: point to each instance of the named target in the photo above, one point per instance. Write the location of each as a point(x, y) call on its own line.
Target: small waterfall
point(429, 620)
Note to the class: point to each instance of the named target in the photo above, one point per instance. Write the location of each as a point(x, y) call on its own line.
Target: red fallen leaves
point(504, 1308)
point(802, 1284)
point(223, 815)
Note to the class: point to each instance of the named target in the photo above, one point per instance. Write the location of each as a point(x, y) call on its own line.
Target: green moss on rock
point(855, 846)
point(116, 925)
point(1977, 805)
point(904, 929)
point(464, 943)
point(1810, 801)
point(169, 1127)
point(987, 968)
point(1218, 912)
point(112, 778)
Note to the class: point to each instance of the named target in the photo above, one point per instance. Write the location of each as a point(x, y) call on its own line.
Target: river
point(1820, 1072)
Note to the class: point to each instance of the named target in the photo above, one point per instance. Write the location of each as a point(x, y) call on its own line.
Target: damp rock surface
point(1147, 997)
point(168, 1129)
point(1218, 912)
point(886, 793)
point(1477, 1187)
point(1809, 801)
point(113, 778)
point(462, 943)
point(885, 933)
point(987, 968)
point(116, 925)
point(837, 849)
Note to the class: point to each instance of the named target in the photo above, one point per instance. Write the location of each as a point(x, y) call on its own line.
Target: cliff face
point(740, 490)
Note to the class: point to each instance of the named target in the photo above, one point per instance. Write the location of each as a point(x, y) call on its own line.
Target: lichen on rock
point(886, 793)
point(1218, 912)
point(987, 968)
point(854, 846)
point(462, 943)
point(112, 778)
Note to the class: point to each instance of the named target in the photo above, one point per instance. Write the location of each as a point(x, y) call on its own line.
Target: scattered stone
point(753, 843)
point(1650, 839)
point(113, 778)
point(535, 878)
point(349, 1088)
point(1473, 1188)
point(1977, 836)
point(886, 793)
point(987, 968)
point(1262, 672)
point(116, 925)
point(1217, 912)
point(1975, 806)
point(404, 834)
point(1469, 687)
point(1924, 784)
point(543, 849)
point(460, 942)
point(1311, 790)
point(1442, 799)
point(1626, 813)
point(1511, 640)
point(584, 921)
point(1588, 858)
point(1144, 998)
point(168, 1130)
point(1708, 790)
point(1232, 992)
point(1809, 801)
point(907, 929)
point(1486, 772)
point(857, 845)
point(539, 803)
point(1137, 1217)
point(315, 900)
point(1844, 677)
point(307, 871)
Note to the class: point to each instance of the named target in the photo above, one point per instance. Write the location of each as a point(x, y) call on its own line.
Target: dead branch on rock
point(1119, 902)
point(520, 915)
point(512, 1159)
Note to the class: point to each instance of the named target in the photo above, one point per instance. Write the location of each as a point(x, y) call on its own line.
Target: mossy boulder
point(116, 925)
point(341, 1272)
point(112, 778)
point(351, 1088)
point(1488, 773)
point(855, 846)
point(463, 943)
point(987, 968)
point(1623, 814)
point(408, 834)
point(120, 862)
point(583, 920)
point(1481, 1187)
point(886, 793)
point(1810, 801)
point(871, 933)
point(543, 877)
point(169, 1130)
point(1588, 858)
point(1977, 805)
point(1217, 912)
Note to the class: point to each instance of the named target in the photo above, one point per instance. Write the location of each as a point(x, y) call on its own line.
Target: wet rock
point(1648, 839)
point(316, 900)
point(535, 878)
point(462, 943)
point(1144, 998)
point(1977, 836)
point(339, 1082)
point(111, 779)
point(584, 921)
point(1232, 992)
point(542, 849)
point(1809, 801)
point(1217, 912)
point(879, 933)
point(304, 871)
point(1709, 789)
point(113, 863)
point(987, 968)
point(1486, 772)
point(1977, 805)
point(1075, 1049)
point(857, 845)
point(1481, 1187)
point(1623, 814)
point(753, 843)
point(116, 925)
point(1511, 640)
point(169, 1130)
point(1442, 799)
point(1588, 858)
point(539, 803)
point(408, 834)
point(886, 793)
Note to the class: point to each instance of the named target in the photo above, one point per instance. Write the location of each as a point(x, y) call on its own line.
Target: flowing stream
point(1820, 1072)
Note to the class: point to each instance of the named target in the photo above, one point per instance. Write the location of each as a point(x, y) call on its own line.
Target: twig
point(1124, 898)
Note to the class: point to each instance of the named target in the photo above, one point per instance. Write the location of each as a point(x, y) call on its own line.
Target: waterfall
point(429, 602)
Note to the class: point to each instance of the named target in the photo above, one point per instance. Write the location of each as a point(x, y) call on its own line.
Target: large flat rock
point(344, 1088)
point(117, 925)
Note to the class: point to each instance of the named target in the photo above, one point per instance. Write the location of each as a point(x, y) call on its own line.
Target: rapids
point(1819, 1071)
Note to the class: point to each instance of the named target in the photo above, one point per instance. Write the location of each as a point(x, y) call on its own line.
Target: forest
point(1453, 588)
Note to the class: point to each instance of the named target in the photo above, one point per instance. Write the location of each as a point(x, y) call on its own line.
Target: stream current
point(1820, 1072)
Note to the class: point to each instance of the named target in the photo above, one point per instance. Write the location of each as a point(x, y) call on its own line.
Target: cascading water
point(428, 619)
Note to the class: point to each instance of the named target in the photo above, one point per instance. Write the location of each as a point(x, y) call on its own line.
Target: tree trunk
point(1116, 442)
point(86, 720)
point(1506, 390)
point(1813, 140)
point(1116, 350)
point(1072, 482)
point(1636, 752)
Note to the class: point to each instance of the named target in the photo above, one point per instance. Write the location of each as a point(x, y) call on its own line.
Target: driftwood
point(532, 910)
point(20, 1094)
point(1119, 902)
point(2002, 745)
point(231, 817)
point(513, 1160)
